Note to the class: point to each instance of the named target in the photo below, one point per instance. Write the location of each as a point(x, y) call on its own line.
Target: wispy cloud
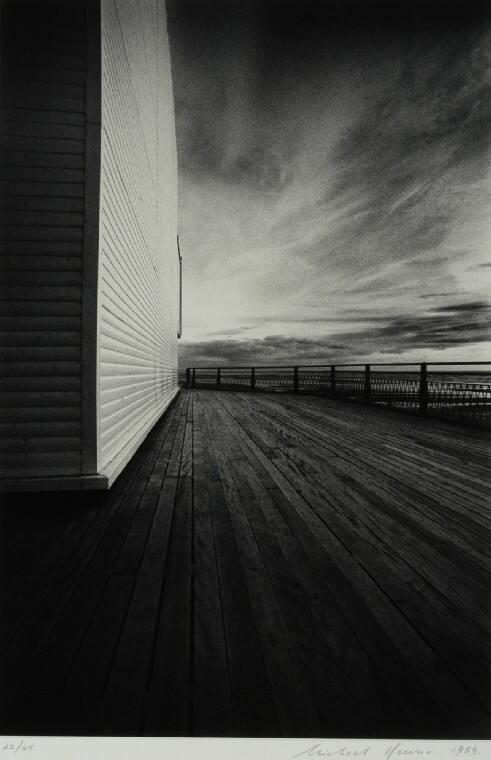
point(324, 176)
point(439, 295)
point(448, 327)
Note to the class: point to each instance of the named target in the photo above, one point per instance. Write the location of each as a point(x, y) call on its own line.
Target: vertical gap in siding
point(91, 237)
point(157, 194)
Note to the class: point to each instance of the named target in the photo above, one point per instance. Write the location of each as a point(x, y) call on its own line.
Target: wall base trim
point(55, 483)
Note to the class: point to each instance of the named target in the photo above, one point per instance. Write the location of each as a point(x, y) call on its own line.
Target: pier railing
point(452, 389)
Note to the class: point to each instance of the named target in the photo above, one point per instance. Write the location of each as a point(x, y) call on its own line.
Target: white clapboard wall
point(89, 291)
point(42, 236)
point(138, 261)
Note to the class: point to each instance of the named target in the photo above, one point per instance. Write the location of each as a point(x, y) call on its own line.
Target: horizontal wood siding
point(42, 236)
point(138, 262)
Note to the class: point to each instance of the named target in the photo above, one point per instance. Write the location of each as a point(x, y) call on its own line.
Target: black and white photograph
point(245, 391)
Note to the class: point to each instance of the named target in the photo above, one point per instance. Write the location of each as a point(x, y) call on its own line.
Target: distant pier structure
point(90, 291)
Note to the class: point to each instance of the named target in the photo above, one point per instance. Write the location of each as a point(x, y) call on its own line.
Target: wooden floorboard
point(266, 565)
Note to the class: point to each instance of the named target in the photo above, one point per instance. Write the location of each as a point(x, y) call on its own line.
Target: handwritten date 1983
point(465, 750)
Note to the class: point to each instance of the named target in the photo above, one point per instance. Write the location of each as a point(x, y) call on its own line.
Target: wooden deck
point(265, 566)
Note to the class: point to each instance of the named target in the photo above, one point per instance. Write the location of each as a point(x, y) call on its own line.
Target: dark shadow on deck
point(265, 566)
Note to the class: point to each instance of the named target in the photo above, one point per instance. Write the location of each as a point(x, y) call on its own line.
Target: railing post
point(188, 377)
point(367, 383)
point(423, 389)
point(218, 377)
point(193, 381)
point(253, 379)
point(295, 379)
point(333, 380)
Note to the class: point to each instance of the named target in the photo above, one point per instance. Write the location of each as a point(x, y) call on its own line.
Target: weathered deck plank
point(265, 566)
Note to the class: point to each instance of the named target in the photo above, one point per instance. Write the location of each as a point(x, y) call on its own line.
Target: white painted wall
point(138, 260)
point(41, 241)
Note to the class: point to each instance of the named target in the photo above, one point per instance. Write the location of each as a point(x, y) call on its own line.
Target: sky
point(334, 180)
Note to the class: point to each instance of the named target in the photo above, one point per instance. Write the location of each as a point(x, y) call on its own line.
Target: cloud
point(439, 295)
point(326, 171)
point(461, 325)
point(476, 307)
